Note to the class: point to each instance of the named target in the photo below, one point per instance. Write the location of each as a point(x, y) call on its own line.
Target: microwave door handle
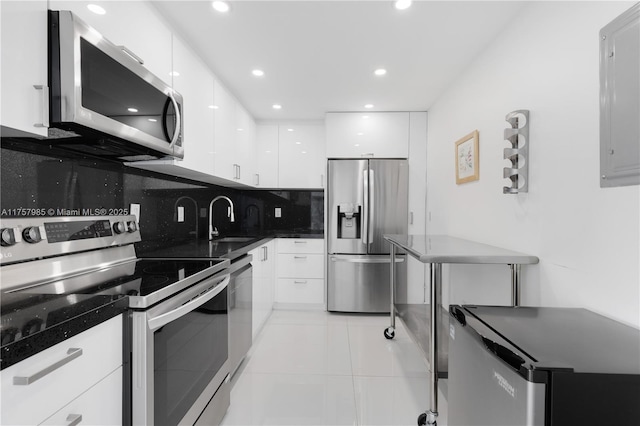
point(365, 213)
point(166, 318)
point(176, 134)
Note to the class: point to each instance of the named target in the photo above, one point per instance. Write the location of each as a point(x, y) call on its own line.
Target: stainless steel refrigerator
point(366, 199)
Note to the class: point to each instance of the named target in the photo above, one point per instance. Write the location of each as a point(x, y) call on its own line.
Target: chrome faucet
point(213, 231)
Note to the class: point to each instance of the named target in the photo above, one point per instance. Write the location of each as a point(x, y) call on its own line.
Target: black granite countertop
point(219, 247)
point(31, 323)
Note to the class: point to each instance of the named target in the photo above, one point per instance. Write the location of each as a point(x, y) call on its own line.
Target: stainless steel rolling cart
point(436, 250)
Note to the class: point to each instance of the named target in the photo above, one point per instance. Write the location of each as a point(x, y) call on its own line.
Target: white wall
point(587, 238)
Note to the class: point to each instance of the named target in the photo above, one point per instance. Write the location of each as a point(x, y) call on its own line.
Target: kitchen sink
point(234, 240)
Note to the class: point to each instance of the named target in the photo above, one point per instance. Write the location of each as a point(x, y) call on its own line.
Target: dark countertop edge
point(22, 349)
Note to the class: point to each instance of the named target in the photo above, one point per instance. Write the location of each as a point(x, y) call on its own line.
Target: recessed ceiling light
point(304, 152)
point(220, 6)
point(356, 144)
point(132, 110)
point(98, 10)
point(360, 133)
point(153, 120)
point(174, 73)
point(257, 73)
point(380, 71)
point(403, 4)
point(268, 152)
point(289, 130)
point(298, 143)
point(240, 130)
point(368, 106)
point(277, 106)
point(213, 106)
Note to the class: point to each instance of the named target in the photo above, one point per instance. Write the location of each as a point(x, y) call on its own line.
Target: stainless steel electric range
point(178, 308)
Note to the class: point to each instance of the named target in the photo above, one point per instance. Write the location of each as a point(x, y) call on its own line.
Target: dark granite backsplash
point(36, 176)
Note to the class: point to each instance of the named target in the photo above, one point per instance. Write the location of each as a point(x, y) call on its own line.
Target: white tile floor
point(318, 368)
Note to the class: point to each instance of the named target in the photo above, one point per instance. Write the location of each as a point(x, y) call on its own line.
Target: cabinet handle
point(45, 105)
point(257, 179)
point(299, 242)
point(299, 257)
point(368, 154)
point(239, 170)
point(74, 419)
point(72, 354)
point(300, 282)
point(410, 218)
point(132, 55)
point(265, 253)
point(321, 181)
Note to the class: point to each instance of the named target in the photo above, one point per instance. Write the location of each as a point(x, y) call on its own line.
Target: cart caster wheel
point(422, 420)
point(389, 333)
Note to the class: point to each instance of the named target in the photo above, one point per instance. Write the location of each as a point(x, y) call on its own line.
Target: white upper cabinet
point(267, 156)
point(245, 154)
point(23, 85)
point(193, 80)
point(225, 133)
point(302, 159)
point(367, 134)
point(136, 25)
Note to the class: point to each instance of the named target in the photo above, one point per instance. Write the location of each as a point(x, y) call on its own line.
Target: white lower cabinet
point(100, 405)
point(77, 373)
point(263, 263)
point(300, 271)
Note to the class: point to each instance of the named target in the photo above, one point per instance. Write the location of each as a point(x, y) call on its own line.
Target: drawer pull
point(299, 242)
point(300, 282)
point(72, 354)
point(299, 257)
point(74, 419)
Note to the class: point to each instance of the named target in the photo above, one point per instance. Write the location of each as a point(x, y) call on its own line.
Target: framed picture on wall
point(467, 158)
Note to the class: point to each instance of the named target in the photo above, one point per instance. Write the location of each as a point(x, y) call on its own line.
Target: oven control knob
point(31, 234)
point(119, 227)
point(8, 237)
point(131, 226)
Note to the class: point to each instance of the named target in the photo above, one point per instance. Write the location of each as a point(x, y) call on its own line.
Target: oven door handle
point(164, 319)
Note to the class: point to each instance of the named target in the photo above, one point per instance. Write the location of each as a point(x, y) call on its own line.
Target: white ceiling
point(319, 56)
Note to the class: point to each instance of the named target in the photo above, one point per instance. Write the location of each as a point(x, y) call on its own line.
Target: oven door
point(180, 355)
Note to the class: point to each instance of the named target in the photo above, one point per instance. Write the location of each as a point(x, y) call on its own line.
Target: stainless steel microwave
point(103, 101)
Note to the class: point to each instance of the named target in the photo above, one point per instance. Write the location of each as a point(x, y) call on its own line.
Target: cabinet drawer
point(300, 290)
point(301, 245)
point(91, 355)
point(300, 265)
point(100, 405)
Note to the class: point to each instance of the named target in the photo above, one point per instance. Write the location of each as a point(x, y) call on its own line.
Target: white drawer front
point(100, 405)
point(301, 265)
point(300, 290)
point(301, 245)
point(31, 404)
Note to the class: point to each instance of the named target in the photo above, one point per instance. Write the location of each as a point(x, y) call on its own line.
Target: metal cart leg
point(390, 331)
point(435, 284)
point(515, 284)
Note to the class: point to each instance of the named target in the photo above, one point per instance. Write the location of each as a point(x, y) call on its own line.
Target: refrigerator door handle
point(365, 214)
point(365, 260)
point(372, 206)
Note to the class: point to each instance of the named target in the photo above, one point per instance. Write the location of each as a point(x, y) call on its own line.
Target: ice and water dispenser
point(349, 220)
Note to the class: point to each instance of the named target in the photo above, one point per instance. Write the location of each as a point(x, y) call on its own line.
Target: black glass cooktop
point(145, 281)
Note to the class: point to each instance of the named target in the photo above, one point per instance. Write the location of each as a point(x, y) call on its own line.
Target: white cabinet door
point(263, 285)
point(245, 146)
point(417, 202)
point(367, 134)
point(100, 405)
point(267, 155)
point(23, 26)
point(80, 362)
point(194, 82)
point(134, 24)
point(300, 271)
point(225, 133)
point(301, 156)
